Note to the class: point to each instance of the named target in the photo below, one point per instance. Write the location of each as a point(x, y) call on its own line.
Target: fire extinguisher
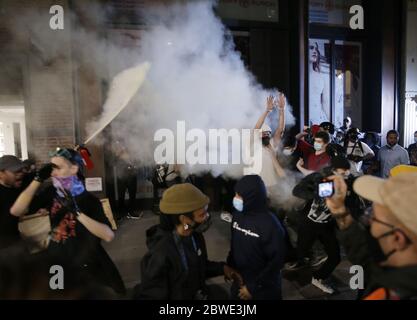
point(86, 155)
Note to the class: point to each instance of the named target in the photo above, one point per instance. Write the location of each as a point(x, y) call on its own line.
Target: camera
point(326, 189)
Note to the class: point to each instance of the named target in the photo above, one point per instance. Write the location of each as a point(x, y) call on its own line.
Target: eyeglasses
point(369, 217)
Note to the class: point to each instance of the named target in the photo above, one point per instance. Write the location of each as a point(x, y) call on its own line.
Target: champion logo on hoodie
point(246, 232)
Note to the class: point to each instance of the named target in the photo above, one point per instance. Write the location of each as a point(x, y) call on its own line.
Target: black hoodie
point(258, 241)
point(164, 276)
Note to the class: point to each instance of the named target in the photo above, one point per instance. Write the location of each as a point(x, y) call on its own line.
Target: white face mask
point(318, 146)
point(288, 152)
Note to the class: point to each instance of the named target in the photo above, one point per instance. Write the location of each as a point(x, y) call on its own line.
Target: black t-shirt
point(9, 232)
point(70, 240)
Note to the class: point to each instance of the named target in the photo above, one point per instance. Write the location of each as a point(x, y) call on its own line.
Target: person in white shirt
point(356, 151)
point(271, 170)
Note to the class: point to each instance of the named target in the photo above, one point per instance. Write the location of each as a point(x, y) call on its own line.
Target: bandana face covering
point(71, 184)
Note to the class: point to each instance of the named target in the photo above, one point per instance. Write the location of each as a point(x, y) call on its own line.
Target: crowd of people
point(368, 213)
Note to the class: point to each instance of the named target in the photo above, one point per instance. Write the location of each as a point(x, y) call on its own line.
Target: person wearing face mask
point(392, 154)
point(271, 170)
point(334, 149)
point(316, 158)
point(258, 243)
point(290, 152)
point(78, 222)
point(176, 265)
point(357, 151)
point(317, 223)
point(384, 244)
point(412, 151)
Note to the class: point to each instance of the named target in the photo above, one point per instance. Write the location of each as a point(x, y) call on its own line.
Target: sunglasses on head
point(61, 152)
point(65, 153)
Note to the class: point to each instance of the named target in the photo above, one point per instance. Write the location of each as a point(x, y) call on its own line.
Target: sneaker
point(318, 261)
point(318, 283)
point(226, 216)
point(135, 215)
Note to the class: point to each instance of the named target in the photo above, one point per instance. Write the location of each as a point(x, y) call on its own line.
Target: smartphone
point(326, 189)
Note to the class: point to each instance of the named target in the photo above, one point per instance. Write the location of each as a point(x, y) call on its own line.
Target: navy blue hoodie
point(258, 241)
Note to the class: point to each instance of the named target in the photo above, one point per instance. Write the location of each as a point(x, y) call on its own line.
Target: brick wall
point(49, 94)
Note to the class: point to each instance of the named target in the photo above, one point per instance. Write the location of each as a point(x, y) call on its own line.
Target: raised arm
point(269, 108)
point(21, 205)
point(300, 167)
point(281, 120)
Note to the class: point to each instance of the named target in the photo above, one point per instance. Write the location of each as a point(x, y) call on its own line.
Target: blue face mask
point(318, 146)
point(238, 204)
point(415, 139)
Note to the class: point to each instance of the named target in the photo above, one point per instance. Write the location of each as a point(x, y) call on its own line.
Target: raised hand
point(45, 172)
point(336, 203)
point(270, 103)
point(281, 101)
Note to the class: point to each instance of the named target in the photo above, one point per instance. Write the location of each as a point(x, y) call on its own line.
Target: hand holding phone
point(326, 189)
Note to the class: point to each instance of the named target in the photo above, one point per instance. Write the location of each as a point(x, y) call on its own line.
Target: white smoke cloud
point(196, 76)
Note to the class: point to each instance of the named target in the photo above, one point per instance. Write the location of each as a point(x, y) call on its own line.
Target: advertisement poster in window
point(319, 81)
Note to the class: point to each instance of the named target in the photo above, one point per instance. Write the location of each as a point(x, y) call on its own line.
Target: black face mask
point(375, 249)
point(266, 141)
point(202, 227)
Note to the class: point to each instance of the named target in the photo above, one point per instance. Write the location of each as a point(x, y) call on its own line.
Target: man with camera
point(317, 223)
point(385, 246)
point(356, 151)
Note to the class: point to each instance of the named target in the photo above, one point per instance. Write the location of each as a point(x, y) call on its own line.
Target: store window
point(320, 81)
point(335, 82)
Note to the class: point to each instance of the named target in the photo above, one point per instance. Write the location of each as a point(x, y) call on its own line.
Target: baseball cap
point(402, 168)
point(11, 163)
point(397, 194)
